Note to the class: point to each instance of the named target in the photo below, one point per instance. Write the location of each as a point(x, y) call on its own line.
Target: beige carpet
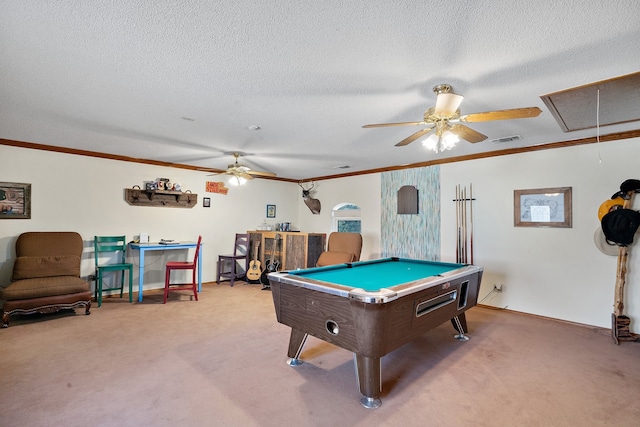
point(221, 362)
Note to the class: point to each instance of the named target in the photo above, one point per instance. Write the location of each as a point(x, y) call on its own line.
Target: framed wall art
point(542, 207)
point(206, 202)
point(271, 211)
point(15, 200)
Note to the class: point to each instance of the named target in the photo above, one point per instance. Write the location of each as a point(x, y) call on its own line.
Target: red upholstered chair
point(182, 265)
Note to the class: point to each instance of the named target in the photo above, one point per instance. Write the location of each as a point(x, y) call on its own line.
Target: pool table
point(372, 307)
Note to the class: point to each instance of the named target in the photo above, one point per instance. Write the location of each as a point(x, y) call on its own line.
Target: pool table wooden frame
point(372, 324)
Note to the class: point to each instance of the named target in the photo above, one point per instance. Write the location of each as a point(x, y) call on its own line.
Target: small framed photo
point(542, 207)
point(15, 200)
point(271, 211)
point(206, 202)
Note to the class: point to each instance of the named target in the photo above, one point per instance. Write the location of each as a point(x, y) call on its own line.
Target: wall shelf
point(160, 198)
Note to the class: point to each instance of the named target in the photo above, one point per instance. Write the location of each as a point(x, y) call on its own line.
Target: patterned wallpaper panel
point(411, 236)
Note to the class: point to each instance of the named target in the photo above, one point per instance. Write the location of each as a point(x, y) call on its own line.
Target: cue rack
point(464, 224)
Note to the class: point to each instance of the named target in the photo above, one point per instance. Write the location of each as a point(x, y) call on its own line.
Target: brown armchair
point(341, 248)
point(46, 275)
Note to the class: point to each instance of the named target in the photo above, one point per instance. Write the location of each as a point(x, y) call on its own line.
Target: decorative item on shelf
point(263, 226)
point(135, 193)
point(164, 184)
point(150, 185)
point(285, 226)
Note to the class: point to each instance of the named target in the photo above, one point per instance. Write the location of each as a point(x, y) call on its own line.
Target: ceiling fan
point(239, 171)
point(445, 118)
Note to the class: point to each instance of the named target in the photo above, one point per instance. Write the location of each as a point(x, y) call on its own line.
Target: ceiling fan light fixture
point(448, 103)
point(431, 143)
point(448, 140)
point(439, 142)
point(236, 180)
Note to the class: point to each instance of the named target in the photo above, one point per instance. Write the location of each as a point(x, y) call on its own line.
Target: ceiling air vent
point(506, 139)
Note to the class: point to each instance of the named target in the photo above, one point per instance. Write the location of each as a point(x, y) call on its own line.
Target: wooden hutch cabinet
point(292, 249)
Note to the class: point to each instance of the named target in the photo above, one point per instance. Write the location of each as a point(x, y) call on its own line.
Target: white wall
point(554, 272)
point(362, 190)
point(86, 195)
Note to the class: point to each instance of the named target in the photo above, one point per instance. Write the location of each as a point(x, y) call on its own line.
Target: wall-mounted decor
point(160, 198)
point(216, 187)
point(542, 207)
point(313, 204)
point(408, 200)
point(206, 202)
point(271, 211)
point(15, 200)
point(411, 236)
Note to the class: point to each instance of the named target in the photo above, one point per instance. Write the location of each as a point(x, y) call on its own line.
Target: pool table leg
point(460, 325)
point(463, 323)
point(296, 342)
point(369, 380)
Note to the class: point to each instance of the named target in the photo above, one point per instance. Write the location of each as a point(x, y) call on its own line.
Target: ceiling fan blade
point(448, 103)
point(516, 113)
point(467, 133)
point(381, 125)
point(245, 176)
point(413, 137)
point(260, 173)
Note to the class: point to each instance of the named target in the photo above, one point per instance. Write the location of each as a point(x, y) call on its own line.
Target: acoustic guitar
point(272, 264)
point(254, 271)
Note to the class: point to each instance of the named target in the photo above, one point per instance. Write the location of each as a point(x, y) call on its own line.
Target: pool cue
point(471, 219)
point(457, 201)
point(461, 226)
point(464, 225)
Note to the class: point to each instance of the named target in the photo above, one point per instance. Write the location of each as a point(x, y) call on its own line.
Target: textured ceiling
point(184, 80)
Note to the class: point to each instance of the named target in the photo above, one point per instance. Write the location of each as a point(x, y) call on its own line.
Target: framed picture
point(271, 211)
point(15, 200)
point(542, 207)
point(206, 202)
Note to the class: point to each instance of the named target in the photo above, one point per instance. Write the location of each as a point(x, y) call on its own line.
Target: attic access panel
point(577, 108)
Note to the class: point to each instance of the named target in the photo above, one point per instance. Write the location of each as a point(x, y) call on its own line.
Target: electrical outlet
point(497, 287)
